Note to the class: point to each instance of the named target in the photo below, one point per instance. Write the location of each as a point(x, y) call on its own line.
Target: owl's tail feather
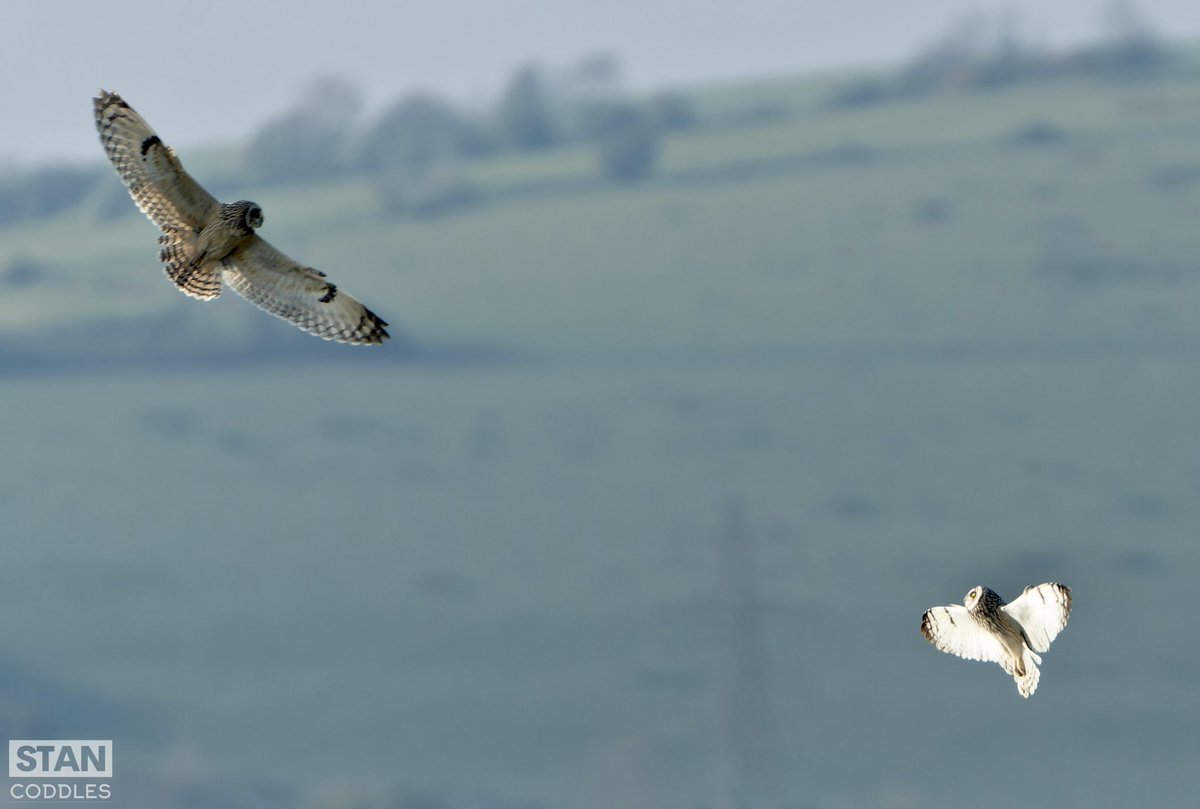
point(200, 280)
point(1027, 683)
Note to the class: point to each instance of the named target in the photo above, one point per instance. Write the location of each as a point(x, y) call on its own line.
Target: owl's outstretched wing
point(301, 295)
point(1042, 611)
point(952, 629)
point(150, 170)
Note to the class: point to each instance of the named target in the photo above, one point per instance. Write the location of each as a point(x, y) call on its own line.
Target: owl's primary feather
point(205, 242)
point(985, 628)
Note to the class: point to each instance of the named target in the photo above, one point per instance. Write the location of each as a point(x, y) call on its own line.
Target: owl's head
point(980, 596)
point(251, 213)
point(243, 214)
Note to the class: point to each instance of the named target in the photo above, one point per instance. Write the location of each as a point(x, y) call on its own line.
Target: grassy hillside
point(868, 358)
point(838, 224)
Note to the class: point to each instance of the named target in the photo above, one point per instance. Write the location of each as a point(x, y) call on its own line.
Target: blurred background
point(728, 338)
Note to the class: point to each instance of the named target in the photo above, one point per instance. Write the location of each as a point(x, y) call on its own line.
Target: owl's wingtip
point(107, 98)
point(372, 329)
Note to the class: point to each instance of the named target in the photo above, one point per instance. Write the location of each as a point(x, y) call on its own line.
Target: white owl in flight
point(985, 628)
point(205, 242)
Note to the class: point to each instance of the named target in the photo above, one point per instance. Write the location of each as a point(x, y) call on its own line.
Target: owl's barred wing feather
point(150, 170)
point(300, 295)
point(952, 629)
point(1042, 611)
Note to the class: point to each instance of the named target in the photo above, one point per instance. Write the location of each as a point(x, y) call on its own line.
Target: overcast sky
point(203, 70)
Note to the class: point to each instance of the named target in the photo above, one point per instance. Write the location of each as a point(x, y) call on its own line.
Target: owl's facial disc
point(254, 216)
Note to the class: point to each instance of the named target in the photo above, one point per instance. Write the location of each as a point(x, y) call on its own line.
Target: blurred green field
point(918, 347)
point(827, 227)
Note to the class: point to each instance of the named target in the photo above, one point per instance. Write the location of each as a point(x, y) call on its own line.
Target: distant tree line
point(42, 192)
point(415, 149)
point(983, 51)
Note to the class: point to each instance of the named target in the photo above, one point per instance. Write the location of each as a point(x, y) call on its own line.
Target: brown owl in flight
point(205, 242)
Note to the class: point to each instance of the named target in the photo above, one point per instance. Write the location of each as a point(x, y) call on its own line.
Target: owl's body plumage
point(985, 628)
point(206, 243)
